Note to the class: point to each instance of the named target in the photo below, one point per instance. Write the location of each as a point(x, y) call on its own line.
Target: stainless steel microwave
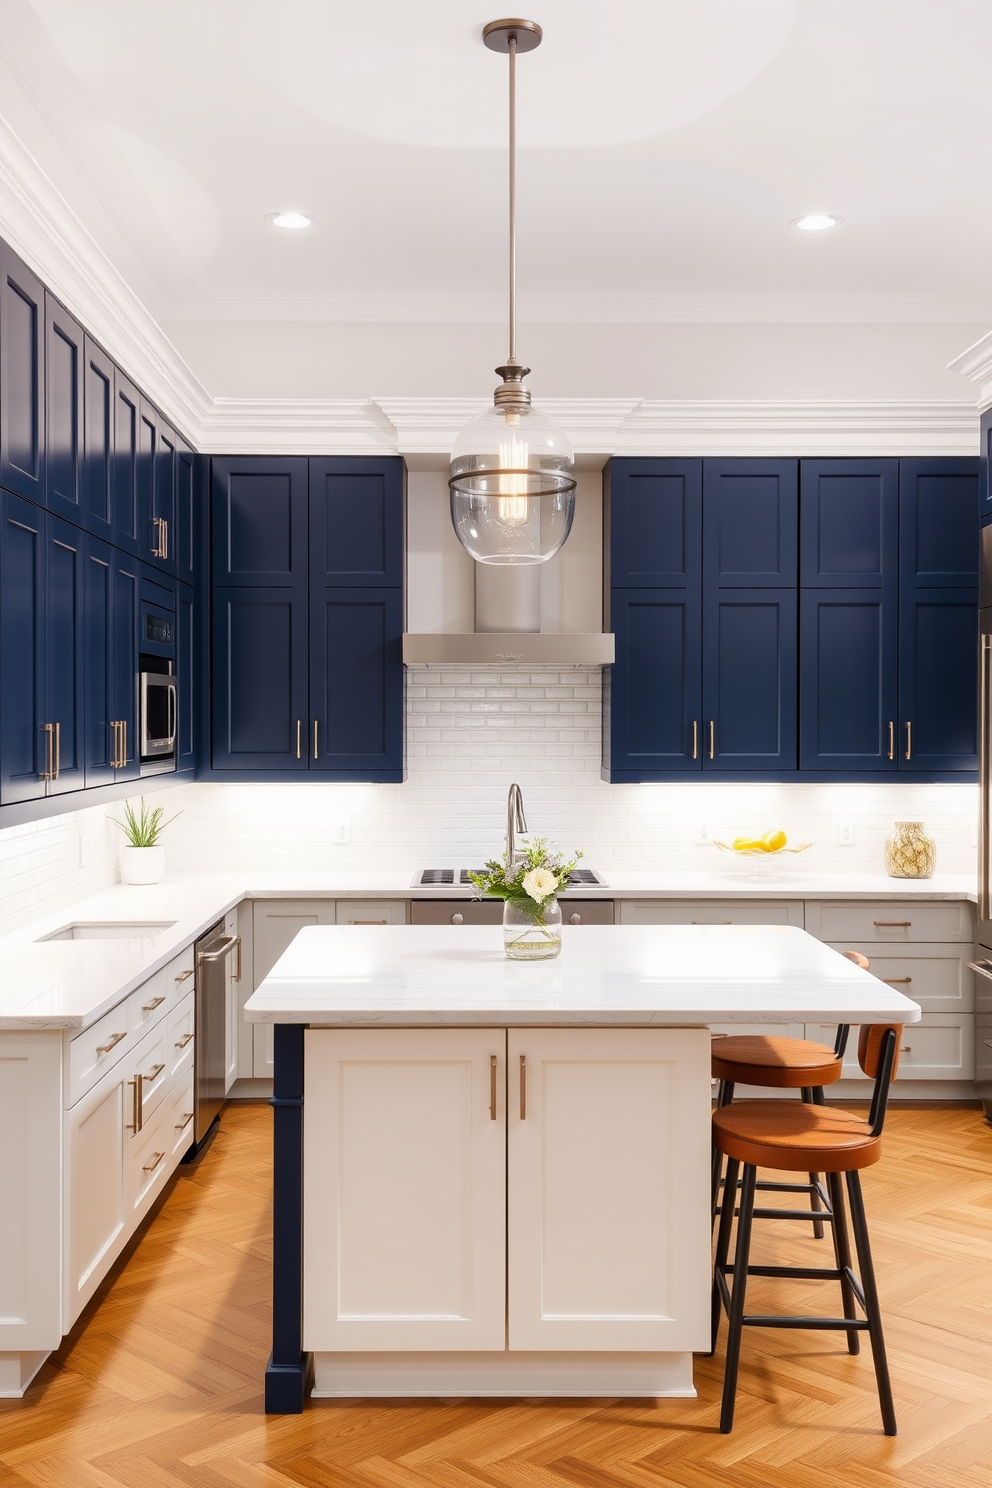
point(159, 720)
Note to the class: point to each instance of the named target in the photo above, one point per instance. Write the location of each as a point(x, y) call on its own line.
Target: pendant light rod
point(512, 50)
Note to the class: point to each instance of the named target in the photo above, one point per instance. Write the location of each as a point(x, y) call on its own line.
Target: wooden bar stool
point(793, 1136)
point(779, 1064)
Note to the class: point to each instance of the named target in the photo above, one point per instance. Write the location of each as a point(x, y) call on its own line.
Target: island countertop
point(659, 975)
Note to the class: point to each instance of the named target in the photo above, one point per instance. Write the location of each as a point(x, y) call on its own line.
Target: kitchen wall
point(470, 733)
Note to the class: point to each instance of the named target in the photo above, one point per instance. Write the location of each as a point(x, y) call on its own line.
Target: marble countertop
point(606, 974)
point(69, 984)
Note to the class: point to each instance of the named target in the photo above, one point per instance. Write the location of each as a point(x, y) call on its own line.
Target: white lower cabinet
point(710, 912)
point(428, 1151)
point(275, 924)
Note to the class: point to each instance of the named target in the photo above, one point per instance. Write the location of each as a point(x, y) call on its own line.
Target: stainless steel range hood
point(508, 629)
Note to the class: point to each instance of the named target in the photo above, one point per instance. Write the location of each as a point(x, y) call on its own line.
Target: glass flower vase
point(910, 852)
point(531, 930)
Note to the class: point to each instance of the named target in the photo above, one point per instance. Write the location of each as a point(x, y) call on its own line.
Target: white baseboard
point(385, 1375)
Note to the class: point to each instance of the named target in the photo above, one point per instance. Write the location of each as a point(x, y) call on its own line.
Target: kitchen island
point(491, 1177)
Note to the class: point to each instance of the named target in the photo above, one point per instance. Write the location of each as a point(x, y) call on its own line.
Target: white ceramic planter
point(142, 865)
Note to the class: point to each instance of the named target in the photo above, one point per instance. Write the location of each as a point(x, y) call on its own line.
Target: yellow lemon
point(775, 840)
point(747, 844)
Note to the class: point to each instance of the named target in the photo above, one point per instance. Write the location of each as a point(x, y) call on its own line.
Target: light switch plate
point(703, 835)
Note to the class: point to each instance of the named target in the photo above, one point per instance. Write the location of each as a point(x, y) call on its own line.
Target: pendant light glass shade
point(512, 484)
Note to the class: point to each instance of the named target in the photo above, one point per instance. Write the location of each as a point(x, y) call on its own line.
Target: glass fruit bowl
point(761, 862)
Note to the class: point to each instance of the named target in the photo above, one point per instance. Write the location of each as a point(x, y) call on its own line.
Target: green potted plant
point(529, 889)
point(143, 856)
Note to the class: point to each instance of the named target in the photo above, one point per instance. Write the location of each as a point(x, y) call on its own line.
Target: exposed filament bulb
point(514, 456)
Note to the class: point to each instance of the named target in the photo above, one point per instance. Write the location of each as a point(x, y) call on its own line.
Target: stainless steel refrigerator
point(983, 962)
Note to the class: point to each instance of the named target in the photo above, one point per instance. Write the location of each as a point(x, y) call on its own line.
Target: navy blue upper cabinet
point(149, 539)
point(259, 521)
point(356, 522)
point(64, 658)
point(654, 529)
point(938, 681)
point(655, 706)
point(64, 358)
point(22, 649)
point(938, 540)
point(22, 378)
point(185, 506)
point(260, 716)
point(847, 681)
point(126, 418)
point(164, 498)
point(749, 680)
point(110, 627)
point(97, 498)
point(356, 679)
point(750, 523)
point(984, 487)
point(849, 534)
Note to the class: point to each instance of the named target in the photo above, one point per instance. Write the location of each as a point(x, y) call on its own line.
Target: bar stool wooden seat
point(793, 1136)
point(780, 1064)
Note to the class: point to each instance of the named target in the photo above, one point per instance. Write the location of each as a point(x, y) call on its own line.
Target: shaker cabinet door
point(655, 717)
point(405, 1172)
point(63, 411)
point(608, 1135)
point(749, 680)
point(356, 680)
point(259, 703)
point(22, 649)
point(22, 378)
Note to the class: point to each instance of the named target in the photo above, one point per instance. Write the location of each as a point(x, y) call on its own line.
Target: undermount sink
point(110, 930)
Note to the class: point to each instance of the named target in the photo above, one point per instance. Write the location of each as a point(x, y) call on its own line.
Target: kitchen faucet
point(515, 822)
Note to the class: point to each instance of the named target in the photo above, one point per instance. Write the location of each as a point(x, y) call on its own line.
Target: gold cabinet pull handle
point(187, 1118)
point(523, 1087)
point(115, 735)
point(892, 739)
point(905, 1048)
point(315, 755)
point(48, 729)
point(712, 738)
point(154, 1073)
point(149, 1007)
point(124, 758)
point(492, 1087)
point(236, 975)
point(909, 741)
point(186, 1038)
point(165, 537)
point(299, 738)
point(897, 981)
point(58, 750)
point(156, 1159)
point(893, 924)
point(711, 922)
point(111, 1043)
point(695, 738)
point(137, 1105)
point(184, 975)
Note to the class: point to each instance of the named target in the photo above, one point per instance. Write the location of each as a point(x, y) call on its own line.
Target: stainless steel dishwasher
point(212, 1032)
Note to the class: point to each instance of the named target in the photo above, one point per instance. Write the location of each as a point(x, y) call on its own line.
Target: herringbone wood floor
point(160, 1384)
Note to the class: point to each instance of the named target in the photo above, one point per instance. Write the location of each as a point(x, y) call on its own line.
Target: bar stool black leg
point(723, 1249)
point(842, 1250)
point(724, 1095)
point(860, 1226)
point(809, 1097)
point(741, 1256)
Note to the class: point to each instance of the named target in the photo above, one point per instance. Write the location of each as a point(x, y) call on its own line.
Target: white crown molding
point(428, 426)
point(288, 426)
point(975, 363)
point(799, 427)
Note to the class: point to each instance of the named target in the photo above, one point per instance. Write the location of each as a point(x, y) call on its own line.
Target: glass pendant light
point(512, 476)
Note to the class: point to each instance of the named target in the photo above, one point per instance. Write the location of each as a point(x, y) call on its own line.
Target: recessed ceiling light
point(815, 222)
point(292, 220)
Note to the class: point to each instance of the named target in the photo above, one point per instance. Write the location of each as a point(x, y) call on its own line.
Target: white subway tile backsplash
point(469, 735)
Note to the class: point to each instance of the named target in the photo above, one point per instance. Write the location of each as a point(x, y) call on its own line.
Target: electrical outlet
point(341, 835)
point(703, 834)
point(845, 834)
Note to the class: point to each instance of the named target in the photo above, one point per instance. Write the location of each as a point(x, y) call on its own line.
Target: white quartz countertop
point(606, 974)
point(69, 984)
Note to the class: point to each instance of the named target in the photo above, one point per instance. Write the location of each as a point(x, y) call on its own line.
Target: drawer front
point(180, 1040)
point(149, 1163)
point(371, 912)
point(940, 1047)
point(936, 976)
point(152, 1001)
point(711, 912)
point(179, 1126)
point(897, 922)
point(456, 912)
point(586, 911)
point(151, 1060)
point(96, 1050)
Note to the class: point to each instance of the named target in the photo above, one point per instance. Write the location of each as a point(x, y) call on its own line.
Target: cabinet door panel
point(98, 753)
point(750, 523)
point(125, 617)
point(655, 684)
point(938, 534)
point(164, 497)
point(938, 680)
point(260, 523)
point(655, 522)
point(356, 679)
point(98, 440)
point(847, 681)
point(22, 378)
point(404, 1240)
point(22, 649)
point(64, 664)
point(126, 419)
point(145, 478)
point(749, 679)
point(356, 522)
point(259, 700)
point(63, 410)
point(31, 1184)
point(276, 923)
point(607, 1152)
point(185, 496)
point(849, 525)
point(96, 1203)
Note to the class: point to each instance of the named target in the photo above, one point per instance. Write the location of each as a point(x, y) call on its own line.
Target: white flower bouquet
point(533, 883)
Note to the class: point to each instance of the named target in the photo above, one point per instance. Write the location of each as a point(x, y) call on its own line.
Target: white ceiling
point(665, 146)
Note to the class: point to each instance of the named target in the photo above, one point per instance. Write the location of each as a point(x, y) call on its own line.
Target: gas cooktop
point(429, 878)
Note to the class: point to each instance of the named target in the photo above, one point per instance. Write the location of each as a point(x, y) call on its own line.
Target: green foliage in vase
point(533, 882)
point(145, 828)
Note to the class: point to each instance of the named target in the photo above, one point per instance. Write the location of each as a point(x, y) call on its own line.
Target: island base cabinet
point(404, 1172)
point(607, 1156)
